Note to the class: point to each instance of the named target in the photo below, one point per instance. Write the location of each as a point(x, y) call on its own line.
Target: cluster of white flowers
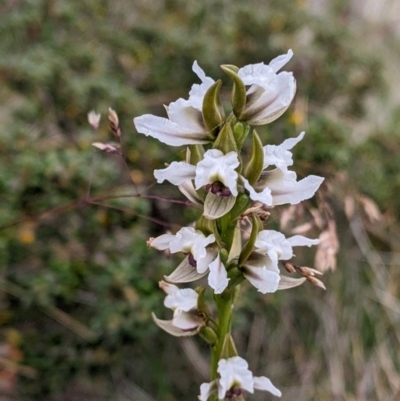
point(217, 179)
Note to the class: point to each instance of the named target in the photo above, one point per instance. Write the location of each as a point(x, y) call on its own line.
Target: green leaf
point(256, 163)
point(238, 91)
point(249, 246)
point(213, 112)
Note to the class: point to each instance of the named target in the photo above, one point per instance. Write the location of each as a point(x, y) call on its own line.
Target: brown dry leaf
point(325, 257)
point(371, 209)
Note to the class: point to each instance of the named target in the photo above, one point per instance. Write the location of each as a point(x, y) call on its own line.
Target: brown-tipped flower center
point(218, 188)
point(233, 392)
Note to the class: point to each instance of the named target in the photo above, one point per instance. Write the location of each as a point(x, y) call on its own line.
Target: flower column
point(215, 177)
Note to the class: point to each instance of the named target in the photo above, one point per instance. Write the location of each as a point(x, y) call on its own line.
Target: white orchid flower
point(235, 377)
point(186, 321)
point(184, 304)
point(184, 125)
point(270, 94)
point(262, 272)
point(191, 241)
point(277, 246)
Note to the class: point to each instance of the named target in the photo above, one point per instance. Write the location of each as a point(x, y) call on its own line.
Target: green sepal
point(225, 141)
point(213, 112)
point(228, 348)
point(223, 255)
point(208, 335)
point(240, 132)
point(235, 276)
point(256, 163)
point(201, 303)
point(208, 227)
point(249, 245)
point(196, 154)
point(243, 202)
point(238, 91)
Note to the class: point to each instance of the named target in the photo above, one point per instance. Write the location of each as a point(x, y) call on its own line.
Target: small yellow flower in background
point(26, 233)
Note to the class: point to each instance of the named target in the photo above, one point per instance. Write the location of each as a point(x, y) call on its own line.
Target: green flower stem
point(225, 306)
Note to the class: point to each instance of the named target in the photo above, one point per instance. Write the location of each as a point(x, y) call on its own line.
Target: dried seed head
point(290, 268)
point(106, 147)
point(114, 123)
point(316, 282)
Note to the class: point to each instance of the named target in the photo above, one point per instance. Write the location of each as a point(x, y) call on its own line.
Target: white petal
point(184, 273)
point(169, 132)
point(263, 383)
point(206, 389)
point(187, 188)
point(234, 371)
point(217, 166)
point(264, 196)
point(266, 281)
point(176, 173)
point(203, 263)
point(168, 326)
point(168, 288)
point(274, 244)
point(186, 116)
point(162, 242)
point(277, 63)
point(285, 188)
point(186, 321)
point(299, 240)
point(280, 156)
point(218, 276)
point(273, 102)
point(289, 282)
point(197, 91)
point(184, 299)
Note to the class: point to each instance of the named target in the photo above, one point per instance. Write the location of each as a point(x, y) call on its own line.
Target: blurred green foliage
point(78, 283)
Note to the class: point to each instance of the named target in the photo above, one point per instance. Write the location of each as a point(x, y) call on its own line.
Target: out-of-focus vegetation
point(77, 281)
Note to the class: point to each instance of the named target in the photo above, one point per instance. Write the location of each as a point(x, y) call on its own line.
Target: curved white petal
point(299, 240)
point(273, 102)
point(162, 242)
point(206, 389)
point(277, 63)
point(285, 188)
point(217, 166)
point(176, 173)
point(218, 276)
point(263, 383)
point(170, 328)
point(264, 196)
point(266, 281)
point(169, 132)
point(197, 92)
point(187, 188)
point(279, 155)
point(202, 264)
point(186, 321)
point(183, 113)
